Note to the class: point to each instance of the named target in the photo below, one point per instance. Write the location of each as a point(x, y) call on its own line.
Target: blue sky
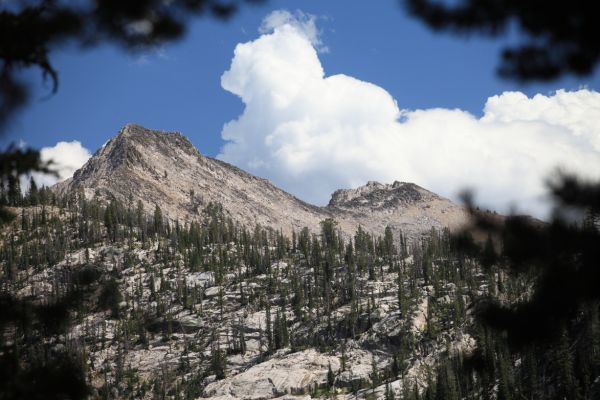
point(178, 87)
point(388, 100)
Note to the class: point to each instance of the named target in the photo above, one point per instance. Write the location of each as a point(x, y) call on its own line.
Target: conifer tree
point(374, 373)
point(389, 392)
point(268, 326)
point(158, 220)
point(330, 377)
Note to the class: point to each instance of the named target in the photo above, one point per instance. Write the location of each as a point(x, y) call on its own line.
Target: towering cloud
point(311, 133)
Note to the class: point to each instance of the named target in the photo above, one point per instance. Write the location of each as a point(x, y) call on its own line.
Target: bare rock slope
point(165, 169)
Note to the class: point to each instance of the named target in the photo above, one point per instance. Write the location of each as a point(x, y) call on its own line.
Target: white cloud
point(305, 24)
point(66, 157)
point(311, 133)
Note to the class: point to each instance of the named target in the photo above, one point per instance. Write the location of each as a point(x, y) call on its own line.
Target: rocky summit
point(164, 169)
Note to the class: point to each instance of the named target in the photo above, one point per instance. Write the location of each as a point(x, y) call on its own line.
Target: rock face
point(165, 169)
point(293, 374)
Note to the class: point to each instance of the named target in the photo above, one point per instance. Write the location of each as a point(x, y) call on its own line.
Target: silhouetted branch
point(562, 255)
point(31, 30)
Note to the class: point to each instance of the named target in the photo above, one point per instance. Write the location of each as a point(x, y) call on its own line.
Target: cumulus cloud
point(66, 157)
point(303, 22)
point(311, 133)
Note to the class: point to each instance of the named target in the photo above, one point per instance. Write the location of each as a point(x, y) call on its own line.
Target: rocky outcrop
point(404, 207)
point(293, 374)
point(377, 196)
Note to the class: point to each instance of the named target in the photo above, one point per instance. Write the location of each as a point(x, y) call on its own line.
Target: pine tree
point(268, 327)
point(374, 373)
point(277, 332)
point(504, 383)
point(218, 363)
point(395, 366)
point(32, 193)
point(330, 377)
point(158, 220)
point(389, 392)
point(389, 248)
point(242, 338)
point(564, 359)
point(14, 191)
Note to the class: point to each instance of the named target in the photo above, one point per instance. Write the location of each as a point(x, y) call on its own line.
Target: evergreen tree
point(158, 220)
point(564, 359)
point(32, 193)
point(374, 373)
point(14, 191)
point(389, 392)
point(330, 377)
point(268, 327)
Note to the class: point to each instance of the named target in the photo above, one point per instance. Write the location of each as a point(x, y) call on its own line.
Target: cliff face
point(165, 169)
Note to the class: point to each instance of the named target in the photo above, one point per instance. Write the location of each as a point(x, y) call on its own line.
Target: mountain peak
point(163, 140)
point(376, 195)
point(135, 148)
point(164, 169)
